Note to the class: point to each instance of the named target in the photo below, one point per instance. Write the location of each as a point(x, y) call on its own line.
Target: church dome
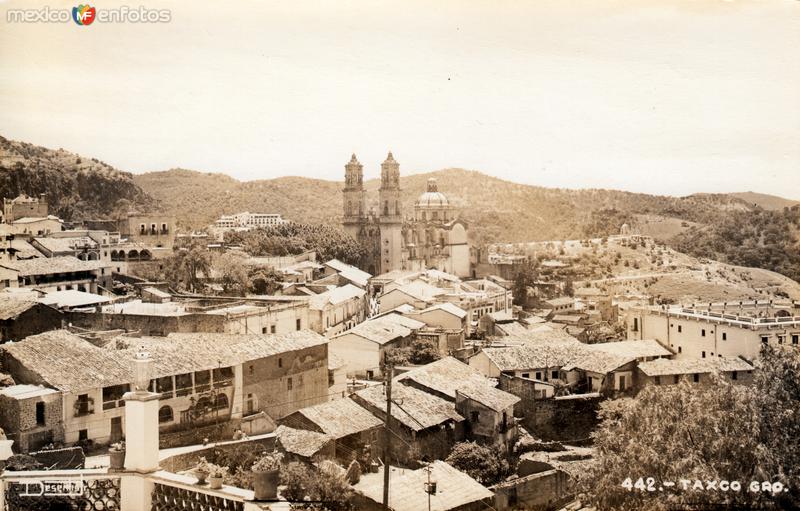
point(432, 198)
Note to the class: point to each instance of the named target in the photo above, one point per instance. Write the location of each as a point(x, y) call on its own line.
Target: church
point(433, 237)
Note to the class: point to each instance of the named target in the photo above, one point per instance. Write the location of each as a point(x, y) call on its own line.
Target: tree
point(526, 276)
point(323, 487)
point(232, 273)
point(264, 281)
point(713, 431)
point(484, 464)
point(183, 269)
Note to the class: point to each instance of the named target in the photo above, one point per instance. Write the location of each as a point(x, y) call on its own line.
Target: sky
point(647, 96)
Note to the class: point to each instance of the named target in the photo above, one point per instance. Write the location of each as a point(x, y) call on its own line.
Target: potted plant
point(201, 470)
point(265, 476)
point(116, 452)
point(215, 477)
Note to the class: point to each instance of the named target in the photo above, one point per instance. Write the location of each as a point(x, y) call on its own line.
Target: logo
point(84, 14)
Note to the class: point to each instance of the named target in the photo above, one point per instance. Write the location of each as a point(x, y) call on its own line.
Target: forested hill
point(749, 229)
point(497, 210)
point(77, 187)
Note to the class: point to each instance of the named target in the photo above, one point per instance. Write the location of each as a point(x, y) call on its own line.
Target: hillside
point(765, 201)
point(497, 210)
point(76, 187)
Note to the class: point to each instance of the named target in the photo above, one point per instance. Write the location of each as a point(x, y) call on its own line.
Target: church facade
point(431, 237)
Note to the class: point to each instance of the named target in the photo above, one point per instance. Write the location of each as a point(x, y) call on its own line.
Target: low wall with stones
point(566, 420)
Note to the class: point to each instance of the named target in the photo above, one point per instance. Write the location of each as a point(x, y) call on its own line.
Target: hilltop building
point(432, 238)
point(24, 206)
point(732, 329)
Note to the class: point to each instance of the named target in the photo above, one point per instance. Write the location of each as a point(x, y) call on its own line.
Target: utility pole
point(387, 450)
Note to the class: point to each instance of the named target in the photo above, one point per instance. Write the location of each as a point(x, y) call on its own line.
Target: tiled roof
point(607, 356)
point(491, 397)
point(541, 333)
point(335, 296)
point(302, 442)
point(417, 410)
point(349, 272)
point(340, 417)
point(453, 309)
point(48, 266)
point(536, 355)
point(24, 250)
point(383, 329)
point(448, 376)
point(565, 300)
point(10, 308)
point(454, 489)
point(663, 366)
point(57, 354)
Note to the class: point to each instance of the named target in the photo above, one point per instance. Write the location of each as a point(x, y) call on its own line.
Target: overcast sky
point(657, 97)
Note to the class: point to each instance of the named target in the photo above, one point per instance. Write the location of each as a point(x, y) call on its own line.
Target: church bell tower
point(354, 197)
point(391, 217)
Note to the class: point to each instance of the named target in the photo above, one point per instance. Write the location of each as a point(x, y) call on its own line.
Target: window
point(538, 375)
point(299, 324)
point(703, 354)
point(795, 338)
point(299, 380)
point(272, 329)
point(696, 377)
point(202, 379)
point(183, 384)
point(221, 402)
point(280, 362)
point(288, 384)
point(765, 339)
point(676, 378)
point(142, 229)
point(703, 332)
point(780, 339)
point(164, 229)
point(554, 375)
point(680, 349)
point(251, 370)
point(40, 413)
point(263, 330)
point(734, 375)
point(83, 405)
point(680, 328)
point(165, 414)
point(526, 375)
point(474, 416)
point(657, 380)
point(164, 386)
point(635, 324)
point(223, 376)
point(724, 336)
point(83, 435)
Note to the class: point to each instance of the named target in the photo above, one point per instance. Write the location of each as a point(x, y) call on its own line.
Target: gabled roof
point(10, 308)
point(448, 307)
point(339, 418)
point(51, 265)
point(448, 377)
point(335, 296)
point(419, 290)
point(454, 489)
point(383, 329)
point(536, 355)
point(608, 356)
point(56, 355)
point(349, 272)
point(418, 409)
point(301, 442)
point(663, 366)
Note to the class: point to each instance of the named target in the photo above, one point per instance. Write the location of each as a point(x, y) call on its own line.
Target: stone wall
point(542, 491)
point(187, 460)
point(562, 419)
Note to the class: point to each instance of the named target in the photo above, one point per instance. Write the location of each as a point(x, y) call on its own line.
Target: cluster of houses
point(315, 364)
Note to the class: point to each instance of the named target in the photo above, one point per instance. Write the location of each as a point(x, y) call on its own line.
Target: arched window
point(386, 207)
point(165, 414)
point(222, 401)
